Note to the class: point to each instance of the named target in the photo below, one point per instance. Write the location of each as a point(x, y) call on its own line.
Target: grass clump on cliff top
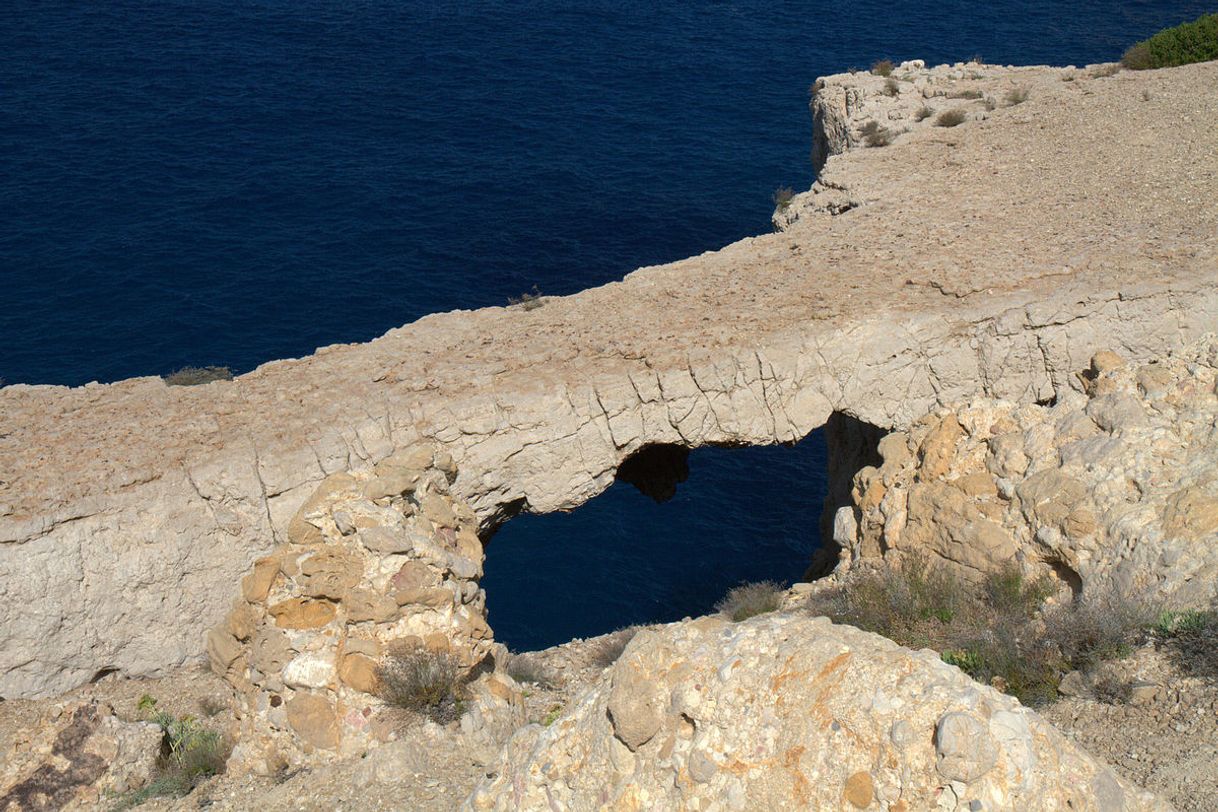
point(874, 135)
point(608, 648)
point(783, 196)
point(951, 118)
point(883, 68)
point(1183, 45)
point(750, 600)
point(424, 682)
point(1001, 633)
point(1017, 95)
point(528, 300)
point(194, 376)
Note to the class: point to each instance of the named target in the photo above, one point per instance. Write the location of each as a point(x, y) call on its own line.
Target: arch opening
point(676, 530)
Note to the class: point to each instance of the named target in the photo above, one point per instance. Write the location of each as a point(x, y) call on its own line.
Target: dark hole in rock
point(1068, 576)
point(656, 470)
point(743, 514)
point(102, 674)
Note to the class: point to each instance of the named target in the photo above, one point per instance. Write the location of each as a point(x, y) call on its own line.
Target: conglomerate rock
point(793, 712)
point(1112, 490)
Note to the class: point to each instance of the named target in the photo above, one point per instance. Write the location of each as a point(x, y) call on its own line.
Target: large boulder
point(792, 712)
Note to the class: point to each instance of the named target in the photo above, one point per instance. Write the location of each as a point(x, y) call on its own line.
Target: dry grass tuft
point(609, 648)
point(423, 682)
point(750, 600)
point(194, 376)
point(1017, 95)
point(951, 118)
point(883, 67)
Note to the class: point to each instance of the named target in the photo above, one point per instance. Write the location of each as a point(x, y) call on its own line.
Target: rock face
point(1115, 489)
point(792, 712)
point(374, 560)
point(993, 258)
point(77, 757)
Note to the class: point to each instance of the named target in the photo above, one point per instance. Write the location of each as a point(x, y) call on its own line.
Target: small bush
point(1185, 44)
point(923, 113)
point(1104, 71)
point(607, 650)
point(527, 301)
point(1017, 95)
point(194, 376)
point(1191, 639)
point(965, 94)
point(951, 118)
point(874, 135)
point(783, 196)
point(883, 68)
point(750, 600)
point(423, 682)
point(892, 87)
point(1090, 631)
point(1009, 593)
point(991, 103)
point(526, 668)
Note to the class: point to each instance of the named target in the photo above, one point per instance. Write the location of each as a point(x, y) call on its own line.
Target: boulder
point(787, 711)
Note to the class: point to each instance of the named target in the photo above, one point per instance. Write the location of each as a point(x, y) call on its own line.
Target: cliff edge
point(991, 258)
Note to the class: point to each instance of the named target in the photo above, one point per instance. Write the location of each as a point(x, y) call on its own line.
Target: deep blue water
point(230, 182)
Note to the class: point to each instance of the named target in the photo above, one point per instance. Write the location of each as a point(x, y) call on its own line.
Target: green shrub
point(951, 118)
point(194, 376)
point(999, 633)
point(1185, 44)
point(783, 196)
point(190, 753)
point(750, 600)
point(1191, 638)
point(424, 682)
point(883, 67)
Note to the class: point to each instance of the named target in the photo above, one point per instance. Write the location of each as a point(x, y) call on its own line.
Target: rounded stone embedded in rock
point(313, 669)
point(330, 573)
point(365, 605)
point(386, 540)
point(222, 650)
point(301, 613)
point(859, 790)
point(965, 748)
point(635, 706)
point(312, 718)
point(257, 585)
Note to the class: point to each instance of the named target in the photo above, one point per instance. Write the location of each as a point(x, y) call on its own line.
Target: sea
point(228, 182)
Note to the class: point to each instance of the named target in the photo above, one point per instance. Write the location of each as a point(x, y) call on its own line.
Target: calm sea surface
point(231, 182)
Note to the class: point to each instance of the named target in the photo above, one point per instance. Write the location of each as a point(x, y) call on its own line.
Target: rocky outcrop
point(994, 258)
point(792, 712)
point(76, 757)
point(1112, 490)
point(376, 561)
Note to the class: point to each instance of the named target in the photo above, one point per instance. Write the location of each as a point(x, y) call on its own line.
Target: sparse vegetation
point(424, 682)
point(609, 648)
point(194, 376)
point(1184, 44)
point(1017, 95)
point(991, 103)
point(551, 715)
point(892, 87)
point(783, 196)
point(190, 753)
point(970, 93)
point(1104, 71)
point(1191, 638)
point(527, 301)
point(750, 600)
point(923, 113)
point(874, 135)
point(527, 669)
point(883, 67)
point(1001, 633)
point(951, 118)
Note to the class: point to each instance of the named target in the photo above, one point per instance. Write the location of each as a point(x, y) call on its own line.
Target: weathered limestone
point(792, 712)
point(993, 258)
point(376, 560)
point(1115, 489)
point(78, 756)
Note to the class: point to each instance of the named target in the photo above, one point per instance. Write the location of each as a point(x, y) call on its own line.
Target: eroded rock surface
point(1114, 489)
point(992, 258)
point(792, 712)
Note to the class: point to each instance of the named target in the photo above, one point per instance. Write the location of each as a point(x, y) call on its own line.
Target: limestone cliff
point(993, 258)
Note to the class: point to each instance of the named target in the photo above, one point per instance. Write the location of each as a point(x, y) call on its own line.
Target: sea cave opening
point(676, 531)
